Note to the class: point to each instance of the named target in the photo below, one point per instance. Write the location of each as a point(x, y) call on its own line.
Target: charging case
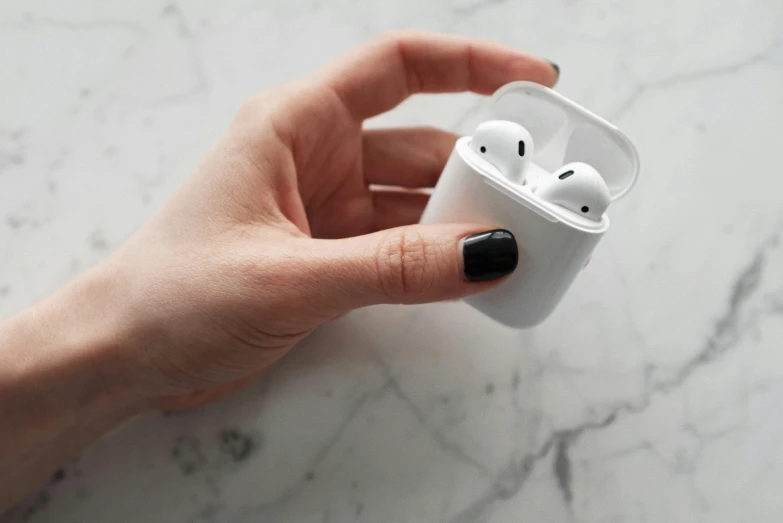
point(554, 244)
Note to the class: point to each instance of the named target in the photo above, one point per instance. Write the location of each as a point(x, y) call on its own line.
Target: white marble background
point(655, 392)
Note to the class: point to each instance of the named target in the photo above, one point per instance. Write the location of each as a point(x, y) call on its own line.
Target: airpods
point(557, 214)
point(579, 188)
point(509, 147)
point(506, 145)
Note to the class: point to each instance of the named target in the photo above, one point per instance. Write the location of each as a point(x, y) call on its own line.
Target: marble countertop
point(654, 393)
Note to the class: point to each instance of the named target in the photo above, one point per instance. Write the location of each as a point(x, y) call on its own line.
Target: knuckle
point(252, 113)
point(392, 43)
point(398, 36)
point(252, 105)
point(258, 107)
point(391, 37)
point(403, 264)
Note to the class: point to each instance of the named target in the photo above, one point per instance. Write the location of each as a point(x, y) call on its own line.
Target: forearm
point(63, 381)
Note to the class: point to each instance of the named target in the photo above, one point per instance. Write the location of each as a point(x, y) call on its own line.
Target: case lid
point(564, 132)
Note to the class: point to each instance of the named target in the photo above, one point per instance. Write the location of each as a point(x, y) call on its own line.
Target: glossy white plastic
point(554, 243)
point(577, 187)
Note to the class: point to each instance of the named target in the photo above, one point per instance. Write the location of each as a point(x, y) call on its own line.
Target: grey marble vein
point(722, 339)
point(696, 76)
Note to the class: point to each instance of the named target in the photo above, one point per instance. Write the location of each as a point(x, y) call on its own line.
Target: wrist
point(70, 349)
point(63, 382)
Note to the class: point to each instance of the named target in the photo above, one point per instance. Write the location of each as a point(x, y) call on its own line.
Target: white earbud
point(579, 188)
point(506, 145)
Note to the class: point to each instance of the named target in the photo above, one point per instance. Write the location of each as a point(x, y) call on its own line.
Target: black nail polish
point(556, 68)
point(490, 255)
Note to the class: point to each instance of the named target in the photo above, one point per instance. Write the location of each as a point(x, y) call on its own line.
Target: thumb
point(416, 264)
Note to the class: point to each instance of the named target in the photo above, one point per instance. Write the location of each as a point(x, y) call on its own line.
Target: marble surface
point(653, 394)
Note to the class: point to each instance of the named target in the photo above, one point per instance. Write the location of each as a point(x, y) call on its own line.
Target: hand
point(279, 229)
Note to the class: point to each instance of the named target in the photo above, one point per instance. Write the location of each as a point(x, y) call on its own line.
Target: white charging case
point(554, 244)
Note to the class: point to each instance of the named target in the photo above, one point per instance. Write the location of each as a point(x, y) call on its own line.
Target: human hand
point(279, 229)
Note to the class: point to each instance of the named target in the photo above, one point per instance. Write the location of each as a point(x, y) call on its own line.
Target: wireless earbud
point(579, 188)
point(506, 145)
point(496, 177)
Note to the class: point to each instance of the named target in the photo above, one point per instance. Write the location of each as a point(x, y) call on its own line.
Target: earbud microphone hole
point(483, 149)
point(585, 208)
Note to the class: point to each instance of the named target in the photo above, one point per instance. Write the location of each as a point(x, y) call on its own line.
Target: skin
point(279, 229)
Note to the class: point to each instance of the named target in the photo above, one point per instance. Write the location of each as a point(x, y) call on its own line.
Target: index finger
point(377, 76)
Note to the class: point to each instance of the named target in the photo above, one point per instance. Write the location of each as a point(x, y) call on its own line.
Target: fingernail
point(489, 255)
point(557, 70)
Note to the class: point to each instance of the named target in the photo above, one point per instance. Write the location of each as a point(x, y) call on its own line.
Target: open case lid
point(564, 132)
